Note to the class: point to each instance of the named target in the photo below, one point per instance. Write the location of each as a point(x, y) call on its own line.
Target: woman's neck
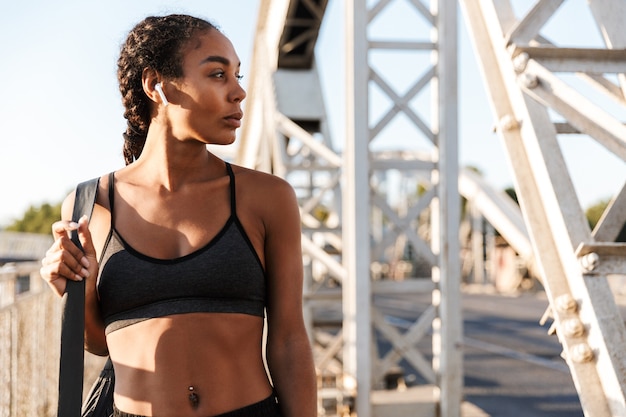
point(172, 163)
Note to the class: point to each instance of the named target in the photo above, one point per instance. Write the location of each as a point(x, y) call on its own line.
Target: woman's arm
point(289, 355)
point(65, 261)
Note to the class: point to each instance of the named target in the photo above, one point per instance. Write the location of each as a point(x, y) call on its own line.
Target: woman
point(185, 254)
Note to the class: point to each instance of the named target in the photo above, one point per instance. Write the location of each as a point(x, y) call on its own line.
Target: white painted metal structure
point(361, 208)
point(366, 164)
point(522, 72)
point(286, 133)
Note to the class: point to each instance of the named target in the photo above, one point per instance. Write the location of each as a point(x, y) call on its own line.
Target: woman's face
point(207, 100)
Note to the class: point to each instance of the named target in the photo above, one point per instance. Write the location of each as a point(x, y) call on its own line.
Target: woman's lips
point(234, 119)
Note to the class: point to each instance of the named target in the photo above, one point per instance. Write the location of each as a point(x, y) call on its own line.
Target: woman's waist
point(170, 369)
point(181, 397)
point(267, 407)
point(169, 351)
point(219, 376)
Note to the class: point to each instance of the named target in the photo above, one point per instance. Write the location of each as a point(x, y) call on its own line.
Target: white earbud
point(159, 90)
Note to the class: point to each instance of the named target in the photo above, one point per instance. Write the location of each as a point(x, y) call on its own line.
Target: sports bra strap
point(111, 194)
point(233, 207)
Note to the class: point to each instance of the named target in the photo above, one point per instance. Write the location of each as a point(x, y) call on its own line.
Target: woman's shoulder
point(264, 193)
point(252, 179)
point(101, 194)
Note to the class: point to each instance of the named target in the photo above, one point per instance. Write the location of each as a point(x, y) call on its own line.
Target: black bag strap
point(73, 319)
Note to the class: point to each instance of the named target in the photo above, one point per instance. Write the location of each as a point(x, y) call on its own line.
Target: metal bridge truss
point(523, 73)
point(362, 208)
point(344, 198)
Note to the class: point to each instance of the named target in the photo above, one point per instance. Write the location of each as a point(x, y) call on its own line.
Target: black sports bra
point(225, 276)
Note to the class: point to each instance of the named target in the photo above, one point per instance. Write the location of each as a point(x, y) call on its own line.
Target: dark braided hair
point(157, 43)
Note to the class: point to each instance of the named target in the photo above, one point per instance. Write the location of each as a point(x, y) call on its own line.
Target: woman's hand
point(64, 260)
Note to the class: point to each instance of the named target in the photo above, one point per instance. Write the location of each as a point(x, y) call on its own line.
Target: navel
point(194, 399)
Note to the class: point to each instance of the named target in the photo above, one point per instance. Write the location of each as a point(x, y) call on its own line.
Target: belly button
point(194, 399)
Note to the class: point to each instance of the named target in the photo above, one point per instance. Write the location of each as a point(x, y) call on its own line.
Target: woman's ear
point(153, 87)
point(159, 89)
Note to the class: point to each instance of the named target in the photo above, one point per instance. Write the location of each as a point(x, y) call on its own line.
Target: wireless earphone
point(159, 90)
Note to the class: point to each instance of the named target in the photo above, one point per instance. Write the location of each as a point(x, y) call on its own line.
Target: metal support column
point(357, 294)
point(428, 156)
point(413, 254)
point(521, 72)
point(448, 327)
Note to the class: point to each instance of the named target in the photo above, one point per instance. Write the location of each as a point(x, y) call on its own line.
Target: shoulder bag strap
point(73, 319)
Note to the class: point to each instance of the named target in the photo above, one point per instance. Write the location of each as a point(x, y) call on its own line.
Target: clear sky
point(61, 115)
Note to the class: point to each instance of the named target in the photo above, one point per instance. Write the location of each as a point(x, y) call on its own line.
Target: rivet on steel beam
point(507, 122)
point(573, 327)
point(566, 304)
point(581, 353)
point(520, 62)
point(589, 261)
point(529, 80)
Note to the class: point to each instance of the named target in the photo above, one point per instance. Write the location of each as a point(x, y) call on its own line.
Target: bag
point(99, 402)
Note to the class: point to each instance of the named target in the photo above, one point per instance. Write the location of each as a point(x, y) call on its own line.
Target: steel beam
point(357, 294)
point(574, 263)
point(288, 137)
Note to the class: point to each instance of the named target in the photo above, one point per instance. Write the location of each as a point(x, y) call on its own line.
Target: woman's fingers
point(63, 228)
point(55, 275)
point(65, 253)
point(84, 235)
point(58, 270)
point(64, 260)
point(89, 260)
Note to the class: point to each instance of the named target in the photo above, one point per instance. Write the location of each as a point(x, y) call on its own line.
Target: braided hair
point(157, 43)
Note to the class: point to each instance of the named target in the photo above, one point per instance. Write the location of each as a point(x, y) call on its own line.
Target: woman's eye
point(222, 74)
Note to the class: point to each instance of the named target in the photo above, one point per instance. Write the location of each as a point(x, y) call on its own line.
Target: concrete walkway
point(414, 401)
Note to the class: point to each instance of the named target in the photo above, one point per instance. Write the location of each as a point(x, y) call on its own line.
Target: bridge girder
point(344, 196)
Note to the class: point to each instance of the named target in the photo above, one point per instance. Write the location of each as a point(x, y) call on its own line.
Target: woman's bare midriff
point(218, 354)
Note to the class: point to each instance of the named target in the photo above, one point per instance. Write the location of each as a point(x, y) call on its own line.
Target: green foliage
point(594, 212)
point(37, 219)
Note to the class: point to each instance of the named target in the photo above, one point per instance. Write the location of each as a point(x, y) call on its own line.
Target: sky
point(61, 114)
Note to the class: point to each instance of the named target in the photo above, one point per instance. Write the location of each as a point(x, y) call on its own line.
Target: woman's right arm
point(64, 261)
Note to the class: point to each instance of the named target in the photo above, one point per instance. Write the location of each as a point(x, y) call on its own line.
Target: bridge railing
point(30, 328)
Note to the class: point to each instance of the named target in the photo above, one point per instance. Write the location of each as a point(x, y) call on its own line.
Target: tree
point(37, 219)
point(595, 211)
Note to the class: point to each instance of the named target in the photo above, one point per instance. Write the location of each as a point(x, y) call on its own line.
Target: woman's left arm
point(289, 355)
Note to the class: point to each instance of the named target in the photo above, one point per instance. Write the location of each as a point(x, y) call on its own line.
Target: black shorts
point(265, 408)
